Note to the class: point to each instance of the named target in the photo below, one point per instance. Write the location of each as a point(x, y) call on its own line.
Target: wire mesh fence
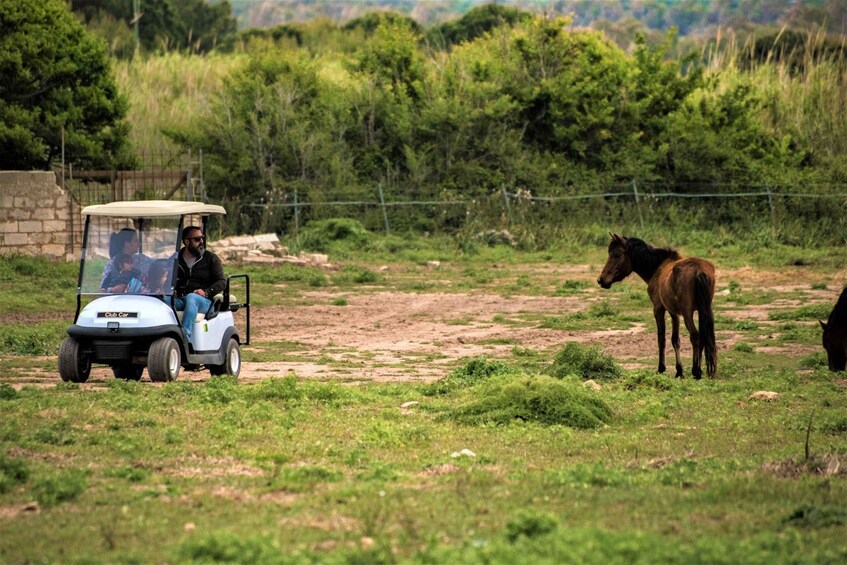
point(159, 176)
point(379, 209)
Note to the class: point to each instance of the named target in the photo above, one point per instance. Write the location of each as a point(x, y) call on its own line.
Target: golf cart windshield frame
point(146, 217)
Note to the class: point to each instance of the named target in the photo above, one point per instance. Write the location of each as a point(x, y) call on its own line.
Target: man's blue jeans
point(190, 304)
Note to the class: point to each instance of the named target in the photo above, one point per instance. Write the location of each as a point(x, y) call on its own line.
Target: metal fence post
point(296, 213)
point(384, 212)
point(637, 204)
point(508, 206)
point(770, 205)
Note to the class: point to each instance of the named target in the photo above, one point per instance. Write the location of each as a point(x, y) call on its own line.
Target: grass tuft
point(473, 372)
point(539, 399)
point(530, 524)
point(584, 362)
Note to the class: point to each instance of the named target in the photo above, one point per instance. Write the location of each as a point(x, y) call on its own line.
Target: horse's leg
point(659, 314)
point(696, 350)
point(675, 344)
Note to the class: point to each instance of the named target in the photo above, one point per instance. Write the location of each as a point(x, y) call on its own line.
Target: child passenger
point(156, 279)
point(122, 275)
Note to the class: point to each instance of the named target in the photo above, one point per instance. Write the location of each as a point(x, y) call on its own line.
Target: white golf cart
point(133, 325)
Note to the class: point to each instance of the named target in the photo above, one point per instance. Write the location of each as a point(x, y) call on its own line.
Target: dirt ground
point(419, 337)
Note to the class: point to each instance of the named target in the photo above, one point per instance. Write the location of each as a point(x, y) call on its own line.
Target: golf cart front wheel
point(128, 372)
point(74, 363)
point(163, 360)
point(232, 362)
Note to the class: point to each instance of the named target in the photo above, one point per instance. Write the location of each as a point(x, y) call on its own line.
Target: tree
point(477, 22)
point(54, 75)
point(165, 24)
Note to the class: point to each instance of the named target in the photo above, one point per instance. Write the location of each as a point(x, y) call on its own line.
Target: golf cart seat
point(217, 304)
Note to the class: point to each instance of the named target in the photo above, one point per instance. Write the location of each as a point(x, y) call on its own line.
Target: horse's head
point(618, 265)
point(835, 344)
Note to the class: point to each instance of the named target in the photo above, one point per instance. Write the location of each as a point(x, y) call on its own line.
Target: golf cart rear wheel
point(232, 362)
point(163, 360)
point(74, 363)
point(128, 372)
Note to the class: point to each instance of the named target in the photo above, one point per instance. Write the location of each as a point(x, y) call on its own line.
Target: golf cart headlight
point(113, 326)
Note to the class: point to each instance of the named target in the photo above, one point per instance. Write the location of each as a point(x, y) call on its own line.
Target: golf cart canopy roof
point(152, 209)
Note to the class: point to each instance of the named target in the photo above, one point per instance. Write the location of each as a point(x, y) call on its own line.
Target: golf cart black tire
point(128, 372)
point(232, 361)
point(74, 364)
point(164, 360)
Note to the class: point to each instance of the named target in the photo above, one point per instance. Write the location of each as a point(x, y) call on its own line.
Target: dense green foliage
point(55, 81)
point(533, 109)
point(196, 25)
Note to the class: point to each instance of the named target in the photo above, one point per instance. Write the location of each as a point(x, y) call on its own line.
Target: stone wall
point(36, 217)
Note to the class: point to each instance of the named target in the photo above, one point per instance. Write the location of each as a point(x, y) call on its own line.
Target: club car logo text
point(117, 314)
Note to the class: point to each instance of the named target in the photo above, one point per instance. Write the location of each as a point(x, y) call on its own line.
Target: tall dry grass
point(169, 90)
point(802, 97)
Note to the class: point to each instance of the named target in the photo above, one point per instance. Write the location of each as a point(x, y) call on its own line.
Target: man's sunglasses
point(195, 239)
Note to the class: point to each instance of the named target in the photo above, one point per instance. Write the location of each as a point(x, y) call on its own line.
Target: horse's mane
point(838, 317)
point(645, 258)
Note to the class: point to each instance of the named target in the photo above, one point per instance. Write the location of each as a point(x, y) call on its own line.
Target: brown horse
point(835, 334)
point(676, 285)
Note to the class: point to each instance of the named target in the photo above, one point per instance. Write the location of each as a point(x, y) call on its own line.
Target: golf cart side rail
point(245, 305)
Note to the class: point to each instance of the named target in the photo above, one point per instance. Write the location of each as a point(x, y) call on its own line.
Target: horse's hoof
point(661, 369)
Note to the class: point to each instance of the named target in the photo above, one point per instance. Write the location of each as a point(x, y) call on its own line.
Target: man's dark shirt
point(207, 274)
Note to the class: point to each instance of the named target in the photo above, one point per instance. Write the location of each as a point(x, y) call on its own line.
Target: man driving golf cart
point(160, 321)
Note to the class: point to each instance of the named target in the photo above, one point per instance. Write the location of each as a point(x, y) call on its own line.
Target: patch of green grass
point(530, 524)
point(584, 362)
point(570, 287)
point(540, 399)
point(13, 472)
point(67, 485)
point(36, 339)
point(473, 372)
point(811, 312)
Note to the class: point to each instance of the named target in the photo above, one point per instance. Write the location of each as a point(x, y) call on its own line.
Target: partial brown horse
point(835, 335)
point(676, 285)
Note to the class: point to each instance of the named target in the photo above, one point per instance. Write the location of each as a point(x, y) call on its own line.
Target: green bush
point(530, 524)
point(7, 392)
point(12, 472)
point(585, 362)
point(540, 399)
point(321, 235)
point(809, 516)
point(473, 372)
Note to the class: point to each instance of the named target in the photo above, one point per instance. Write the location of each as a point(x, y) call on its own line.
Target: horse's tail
point(703, 300)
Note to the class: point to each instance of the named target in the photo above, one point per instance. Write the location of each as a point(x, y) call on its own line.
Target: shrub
point(808, 516)
point(7, 392)
point(536, 399)
point(475, 371)
point(531, 524)
point(320, 235)
point(12, 472)
point(582, 361)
